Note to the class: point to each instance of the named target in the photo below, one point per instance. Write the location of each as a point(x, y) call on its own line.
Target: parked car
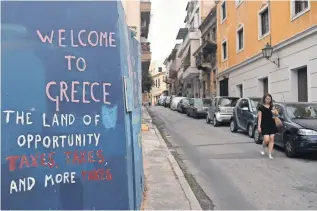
point(198, 107)
point(175, 102)
point(182, 105)
point(167, 102)
point(221, 110)
point(299, 131)
point(245, 115)
point(161, 100)
point(172, 97)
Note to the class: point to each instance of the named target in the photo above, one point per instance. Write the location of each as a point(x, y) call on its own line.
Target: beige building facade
point(158, 72)
point(159, 87)
point(138, 15)
point(133, 16)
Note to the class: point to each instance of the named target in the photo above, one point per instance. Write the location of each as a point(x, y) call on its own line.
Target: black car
point(182, 105)
point(245, 116)
point(198, 107)
point(299, 131)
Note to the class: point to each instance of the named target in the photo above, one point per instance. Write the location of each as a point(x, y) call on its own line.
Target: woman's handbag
point(278, 122)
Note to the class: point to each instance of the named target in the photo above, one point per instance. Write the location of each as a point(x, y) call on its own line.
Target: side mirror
point(245, 109)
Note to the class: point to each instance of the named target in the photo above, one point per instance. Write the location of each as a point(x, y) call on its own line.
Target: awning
point(182, 32)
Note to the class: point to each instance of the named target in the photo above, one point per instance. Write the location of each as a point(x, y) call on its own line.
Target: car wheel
point(257, 136)
point(233, 127)
point(195, 115)
point(289, 147)
point(215, 122)
point(207, 119)
point(250, 131)
point(187, 113)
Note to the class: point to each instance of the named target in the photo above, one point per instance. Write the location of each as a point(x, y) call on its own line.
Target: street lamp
point(267, 52)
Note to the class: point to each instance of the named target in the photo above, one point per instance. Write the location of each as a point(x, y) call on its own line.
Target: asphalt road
point(232, 172)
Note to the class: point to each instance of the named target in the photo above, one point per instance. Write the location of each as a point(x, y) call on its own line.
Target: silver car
point(221, 110)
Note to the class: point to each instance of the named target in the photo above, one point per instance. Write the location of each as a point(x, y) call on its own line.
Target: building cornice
point(277, 47)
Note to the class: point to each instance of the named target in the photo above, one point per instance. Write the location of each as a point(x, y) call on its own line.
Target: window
point(238, 2)
point(159, 82)
point(240, 39)
point(299, 7)
point(244, 103)
point(224, 50)
point(160, 69)
point(155, 83)
point(223, 11)
point(264, 22)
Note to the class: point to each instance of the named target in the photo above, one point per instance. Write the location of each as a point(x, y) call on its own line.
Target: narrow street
point(230, 169)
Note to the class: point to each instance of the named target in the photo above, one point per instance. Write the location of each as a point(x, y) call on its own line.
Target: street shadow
point(311, 156)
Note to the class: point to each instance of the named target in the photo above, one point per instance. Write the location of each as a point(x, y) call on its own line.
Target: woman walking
point(266, 123)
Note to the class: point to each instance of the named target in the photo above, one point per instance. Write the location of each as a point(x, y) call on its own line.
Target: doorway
point(240, 90)
point(302, 84)
point(224, 90)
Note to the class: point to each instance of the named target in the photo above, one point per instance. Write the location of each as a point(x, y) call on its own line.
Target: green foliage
point(147, 81)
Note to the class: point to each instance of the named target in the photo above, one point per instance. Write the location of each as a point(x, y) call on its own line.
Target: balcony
point(146, 51)
point(205, 62)
point(167, 80)
point(146, 6)
point(205, 56)
point(190, 73)
point(145, 17)
point(187, 35)
point(173, 74)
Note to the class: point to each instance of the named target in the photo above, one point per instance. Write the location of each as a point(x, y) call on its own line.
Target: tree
point(147, 81)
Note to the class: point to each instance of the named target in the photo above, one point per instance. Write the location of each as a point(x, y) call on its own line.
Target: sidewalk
point(165, 185)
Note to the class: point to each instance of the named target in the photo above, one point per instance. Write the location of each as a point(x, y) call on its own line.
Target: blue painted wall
point(28, 65)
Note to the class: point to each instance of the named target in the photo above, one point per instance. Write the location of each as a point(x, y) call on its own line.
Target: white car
point(161, 100)
point(175, 102)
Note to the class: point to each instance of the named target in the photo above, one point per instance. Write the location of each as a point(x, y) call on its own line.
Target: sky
point(166, 19)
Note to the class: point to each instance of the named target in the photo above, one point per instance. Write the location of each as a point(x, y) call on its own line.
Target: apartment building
point(138, 15)
point(197, 11)
point(158, 71)
point(205, 56)
point(172, 64)
point(267, 46)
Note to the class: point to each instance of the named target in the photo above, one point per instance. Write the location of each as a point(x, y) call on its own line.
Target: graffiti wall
point(70, 107)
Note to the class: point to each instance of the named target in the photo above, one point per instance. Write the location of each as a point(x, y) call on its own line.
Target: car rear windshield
point(227, 102)
point(202, 102)
point(302, 111)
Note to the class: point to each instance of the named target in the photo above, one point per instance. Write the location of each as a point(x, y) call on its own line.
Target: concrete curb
point(192, 200)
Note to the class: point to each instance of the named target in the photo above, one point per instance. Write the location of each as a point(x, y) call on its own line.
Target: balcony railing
point(146, 47)
point(205, 60)
point(167, 80)
point(173, 74)
point(186, 64)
